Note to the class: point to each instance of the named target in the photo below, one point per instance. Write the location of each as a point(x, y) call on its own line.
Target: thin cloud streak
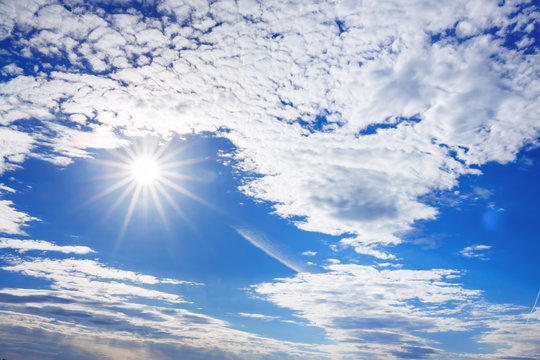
point(260, 241)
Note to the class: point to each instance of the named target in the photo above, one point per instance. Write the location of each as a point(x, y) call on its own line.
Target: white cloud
point(258, 316)
point(15, 147)
point(69, 269)
point(7, 188)
point(475, 251)
point(12, 220)
point(309, 253)
point(516, 337)
point(91, 300)
point(262, 242)
point(375, 313)
point(367, 250)
point(11, 69)
point(26, 245)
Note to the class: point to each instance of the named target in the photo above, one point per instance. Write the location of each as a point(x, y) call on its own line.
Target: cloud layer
point(119, 309)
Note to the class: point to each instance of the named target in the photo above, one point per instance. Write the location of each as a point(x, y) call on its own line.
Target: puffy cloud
point(15, 147)
point(515, 335)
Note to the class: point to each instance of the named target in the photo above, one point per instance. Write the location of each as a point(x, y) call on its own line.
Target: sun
point(145, 170)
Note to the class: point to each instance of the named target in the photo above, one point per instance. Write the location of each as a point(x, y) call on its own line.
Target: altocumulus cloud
point(368, 106)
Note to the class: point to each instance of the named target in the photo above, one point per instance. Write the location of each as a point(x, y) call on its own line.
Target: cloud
point(7, 188)
point(12, 220)
point(262, 242)
point(367, 250)
point(26, 245)
point(374, 312)
point(258, 316)
point(515, 337)
point(129, 341)
point(413, 352)
point(475, 251)
point(120, 310)
point(57, 269)
point(16, 145)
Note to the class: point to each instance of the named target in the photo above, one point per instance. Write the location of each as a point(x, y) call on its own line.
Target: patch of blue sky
point(318, 123)
point(390, 123)
point(460, 341)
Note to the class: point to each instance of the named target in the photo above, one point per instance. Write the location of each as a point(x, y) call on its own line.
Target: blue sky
point(269, 180)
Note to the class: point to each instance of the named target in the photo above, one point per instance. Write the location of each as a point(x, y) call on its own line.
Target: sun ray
point(161, 151)
point(165, 157)
point(183, 163)
point(159, 207)
point(163, 192)
point(116, 175)
point(124, 157)
point(116, 164)
point(182, 176)
point(183, 191)
point(128, 190)
point(129, 213)
point(110, 189)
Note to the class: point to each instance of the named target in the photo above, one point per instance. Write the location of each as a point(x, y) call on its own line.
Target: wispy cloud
point(26, 245)
point(12, 220)
point(89, 300)
point(262, 242)
point(374, 312)
point(258, 316)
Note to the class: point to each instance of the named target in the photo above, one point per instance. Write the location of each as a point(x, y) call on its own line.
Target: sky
point(269, 179)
